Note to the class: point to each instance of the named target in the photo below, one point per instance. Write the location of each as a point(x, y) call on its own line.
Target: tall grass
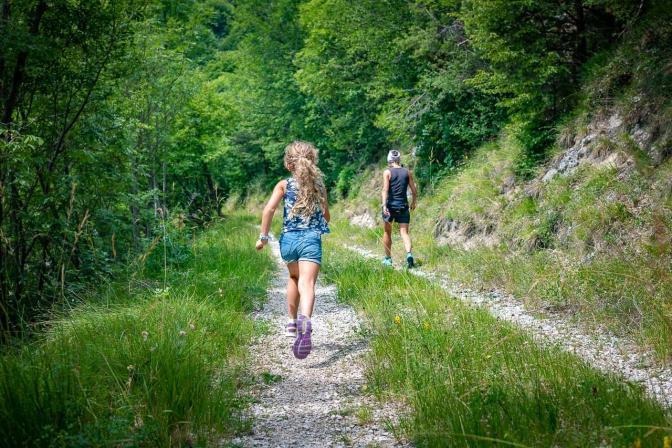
point(471, 380)
point(596, 243)
point(149, 367)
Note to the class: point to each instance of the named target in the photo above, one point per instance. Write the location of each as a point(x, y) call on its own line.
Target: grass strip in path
point(602, 350)
point(150, 367)
point(596, 345)
point(473, 380)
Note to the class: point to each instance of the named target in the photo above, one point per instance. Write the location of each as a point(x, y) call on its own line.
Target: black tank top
point(396, 195)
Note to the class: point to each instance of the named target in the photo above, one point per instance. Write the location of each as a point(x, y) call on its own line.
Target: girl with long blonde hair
point(305, 220)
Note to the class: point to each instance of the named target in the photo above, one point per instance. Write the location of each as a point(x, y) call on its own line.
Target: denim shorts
point(301, 245)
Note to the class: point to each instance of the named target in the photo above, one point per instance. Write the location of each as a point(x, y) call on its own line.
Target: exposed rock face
point(586, 149)
point(466, 235)
point(364, 219)
point(622, 139)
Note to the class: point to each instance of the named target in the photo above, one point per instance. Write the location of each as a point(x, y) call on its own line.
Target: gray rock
point(615, 121)
point(550, 174)
point(364, 219)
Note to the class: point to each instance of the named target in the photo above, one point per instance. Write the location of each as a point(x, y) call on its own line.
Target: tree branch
point(20, 67)
point(4, 22)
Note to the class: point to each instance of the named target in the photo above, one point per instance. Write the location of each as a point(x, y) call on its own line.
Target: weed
point(139, 366)
point(346, 440)
point(270, 378)
point(472, 379)
point(364, 415)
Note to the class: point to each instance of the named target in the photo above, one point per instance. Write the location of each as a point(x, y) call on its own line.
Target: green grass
point(143, 365)
point(472, 380)
point(595, 244)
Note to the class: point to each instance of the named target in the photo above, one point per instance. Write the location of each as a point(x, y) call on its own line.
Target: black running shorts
point(401, 215)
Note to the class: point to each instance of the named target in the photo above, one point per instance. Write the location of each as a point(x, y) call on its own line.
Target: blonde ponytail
point(301, 159)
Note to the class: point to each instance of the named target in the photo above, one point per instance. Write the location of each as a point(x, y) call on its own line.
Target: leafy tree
point(534, 51)
point(260, 89)
point(96, 98)
point(438, 113)
point(55, 56)
point(344, 69)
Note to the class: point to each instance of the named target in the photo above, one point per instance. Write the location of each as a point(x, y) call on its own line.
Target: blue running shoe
point(387, 261)
point(410, 261)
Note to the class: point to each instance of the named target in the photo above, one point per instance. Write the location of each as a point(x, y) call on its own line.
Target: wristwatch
point(263, 237)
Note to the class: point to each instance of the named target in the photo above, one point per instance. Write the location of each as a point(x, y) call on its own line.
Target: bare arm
point(386, 188)
point(269, 210)
point(414, 190)
point(325, 208)
point(325, 212)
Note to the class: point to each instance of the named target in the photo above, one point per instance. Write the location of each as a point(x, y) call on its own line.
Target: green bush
point(473, 380)
point(152, 367)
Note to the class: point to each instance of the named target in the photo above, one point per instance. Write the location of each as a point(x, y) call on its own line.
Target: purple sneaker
point(303, 344)
point(290, 329)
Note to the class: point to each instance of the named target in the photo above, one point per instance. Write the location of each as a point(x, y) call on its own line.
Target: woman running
point(305, 220)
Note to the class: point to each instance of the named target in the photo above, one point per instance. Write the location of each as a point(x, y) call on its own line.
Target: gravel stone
point(314, 402)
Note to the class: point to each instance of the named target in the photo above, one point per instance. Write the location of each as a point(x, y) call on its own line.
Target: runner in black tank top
point(396, 181)
point(397, 196)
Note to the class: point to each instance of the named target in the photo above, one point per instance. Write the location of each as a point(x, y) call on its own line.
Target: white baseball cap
point(393, 156)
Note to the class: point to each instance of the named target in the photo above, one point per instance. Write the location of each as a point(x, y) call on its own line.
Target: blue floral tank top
point(297, 223)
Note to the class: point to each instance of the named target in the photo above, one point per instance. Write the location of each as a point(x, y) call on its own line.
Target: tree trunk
point(4, 22)
point(20, 67)
point(212, 189)
point(156, 157)
point(164, 169)
point(581, 52)
point(134, 208)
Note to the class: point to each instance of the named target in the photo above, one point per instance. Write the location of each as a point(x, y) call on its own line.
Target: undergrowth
point(472, 380)
point(596, 243)
point(142, 364)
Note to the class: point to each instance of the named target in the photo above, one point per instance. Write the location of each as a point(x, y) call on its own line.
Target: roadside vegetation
point(154, 359)
point(116, 116)
point(472, 380)
point(594, 245)
point(126, 127)
point(593, 242)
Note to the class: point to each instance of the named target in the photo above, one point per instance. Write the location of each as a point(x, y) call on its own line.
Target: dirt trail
point(601, 350)
point(318, 401)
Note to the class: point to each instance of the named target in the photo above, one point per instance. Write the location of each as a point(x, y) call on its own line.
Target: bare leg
point(293, 290)
point(308, 272)
point(387, 238)
point(403, 229)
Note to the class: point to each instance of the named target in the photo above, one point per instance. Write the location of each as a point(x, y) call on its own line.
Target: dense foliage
point(107, 111)
point(121, 118)
point(140, 366)
point(435, 77)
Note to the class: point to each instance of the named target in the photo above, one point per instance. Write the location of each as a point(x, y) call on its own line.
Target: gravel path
point(603, 351)
point(318, 401)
